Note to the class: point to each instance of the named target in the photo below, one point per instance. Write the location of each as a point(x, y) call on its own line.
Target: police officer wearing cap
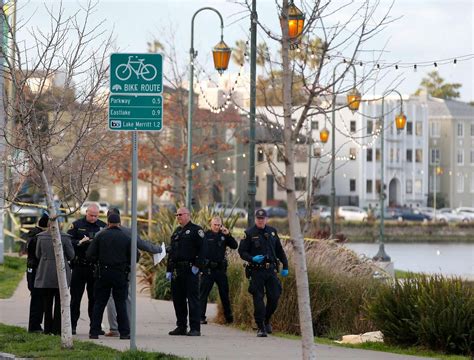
point(261, 248)
point(218, 238)
point(186, 258)
point(111, 252)
point(82, 232)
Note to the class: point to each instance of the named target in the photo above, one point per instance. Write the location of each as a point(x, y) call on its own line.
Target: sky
point(425, 31)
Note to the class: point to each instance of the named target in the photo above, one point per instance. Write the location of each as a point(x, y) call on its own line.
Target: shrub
point(432, 311)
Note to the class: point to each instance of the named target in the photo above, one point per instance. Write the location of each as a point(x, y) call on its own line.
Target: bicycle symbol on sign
point(146, 71)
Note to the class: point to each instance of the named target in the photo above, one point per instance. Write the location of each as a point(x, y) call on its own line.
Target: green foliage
point(11, 273)
point(432, 311)
point(434, 85)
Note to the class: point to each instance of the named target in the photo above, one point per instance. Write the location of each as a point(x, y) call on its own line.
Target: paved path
point(155, 318)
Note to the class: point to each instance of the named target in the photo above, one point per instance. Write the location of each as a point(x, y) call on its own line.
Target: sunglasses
point(182, 214)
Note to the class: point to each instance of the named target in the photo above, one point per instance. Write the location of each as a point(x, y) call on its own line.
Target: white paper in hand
point(158, 257)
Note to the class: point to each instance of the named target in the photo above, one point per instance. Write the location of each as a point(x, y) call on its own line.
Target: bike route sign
point(136, 84)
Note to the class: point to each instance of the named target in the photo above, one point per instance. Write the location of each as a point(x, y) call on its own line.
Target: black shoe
point(101, 332)
point(203, 321)
point(229, 320)
point(178, 331)
point(74, 331)
point(93, 336)
point(193, 333)
point(125, 337)
point(268, 328)
point(261, 333)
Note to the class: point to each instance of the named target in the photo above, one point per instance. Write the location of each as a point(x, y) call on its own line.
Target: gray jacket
point(46, 275)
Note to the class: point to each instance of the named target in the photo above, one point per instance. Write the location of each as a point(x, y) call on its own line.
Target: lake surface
point(446, 259)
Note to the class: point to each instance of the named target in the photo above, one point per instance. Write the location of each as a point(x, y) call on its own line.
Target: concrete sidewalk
point(155, 318)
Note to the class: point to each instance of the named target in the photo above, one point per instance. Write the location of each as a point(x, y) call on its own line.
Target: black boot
point(178, 331)
point(261, 332)
point(268, 328)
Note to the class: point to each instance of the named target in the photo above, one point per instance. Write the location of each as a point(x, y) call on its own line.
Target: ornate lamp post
point(221, 56)
point(353, 102)
point(400, 121)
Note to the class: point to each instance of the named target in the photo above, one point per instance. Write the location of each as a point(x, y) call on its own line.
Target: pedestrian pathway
point(155, 318)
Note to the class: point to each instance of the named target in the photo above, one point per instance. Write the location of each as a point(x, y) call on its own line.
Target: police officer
point(218, 238)
point(82, 232)
point(111, 252)
point(261, 248)
point(36, 301)
point(186, 257)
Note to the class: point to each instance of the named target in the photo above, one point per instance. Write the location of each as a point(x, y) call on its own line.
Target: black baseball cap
point(261, 213)
point(113, 218)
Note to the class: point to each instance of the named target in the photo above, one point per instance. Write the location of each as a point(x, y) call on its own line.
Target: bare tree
point(57, 117)
point(301, 79)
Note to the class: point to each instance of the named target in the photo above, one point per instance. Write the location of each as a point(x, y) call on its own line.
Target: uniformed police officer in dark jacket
point(261, 248)
point(218, 239)
point(186, 257)
point(110, 251)
point(36, 300)
point(82, 232)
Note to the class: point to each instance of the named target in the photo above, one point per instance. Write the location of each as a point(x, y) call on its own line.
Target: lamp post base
point(386, 266)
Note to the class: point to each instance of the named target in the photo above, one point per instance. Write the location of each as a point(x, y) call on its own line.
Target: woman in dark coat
point(47, 278)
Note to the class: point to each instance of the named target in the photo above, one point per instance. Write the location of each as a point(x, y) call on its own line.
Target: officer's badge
point(187, 232)
point(222, 238)
point(273, 234)
point(201, 233)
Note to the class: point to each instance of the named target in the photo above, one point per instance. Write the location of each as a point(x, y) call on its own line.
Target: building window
point(460, 183)
point(369, 186)
point(460, 130)
point(256, 181)
point(317, 152)
point(472, 130)
point(460, 157)
point(418, 187)
point(435, 129)
point(435, 158)
point(280, 155)
point(352, 185)
point(370, 127)
point(369, 154)
point(472, 156)
point(300, 183)
point(314, 125)
point(353, 126)
point(377, 186)
point(352, 153)
point(409, 187)
point(419, 128)
point(377, 155)
point(260, 155)
point(418, 155)
point(301, 154)
point(472, 182)
point(409, 155)
point(409, 128)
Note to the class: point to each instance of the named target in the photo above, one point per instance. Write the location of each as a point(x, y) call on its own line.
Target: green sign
point(132, 112)
point(136, 74)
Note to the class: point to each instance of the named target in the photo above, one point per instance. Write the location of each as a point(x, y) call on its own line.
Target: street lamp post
point(400, 121)
point(353, 102)
point(221, 56)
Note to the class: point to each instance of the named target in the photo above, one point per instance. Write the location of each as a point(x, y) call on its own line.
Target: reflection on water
point(446, 259)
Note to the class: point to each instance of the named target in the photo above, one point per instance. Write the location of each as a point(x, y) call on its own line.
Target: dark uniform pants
point(264, 281)
point(82, 277)
point(52, 310)
point(36, 303)
point(208, 278)
point(117, 282)
point(185, 292)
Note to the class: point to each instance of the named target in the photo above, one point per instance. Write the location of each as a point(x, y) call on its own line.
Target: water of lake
point(446, 259)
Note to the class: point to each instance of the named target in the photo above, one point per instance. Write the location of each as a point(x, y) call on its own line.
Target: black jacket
point(187, 244)
point(262, 242)
point(31, 239)
point(216, 245)
point(78, 230)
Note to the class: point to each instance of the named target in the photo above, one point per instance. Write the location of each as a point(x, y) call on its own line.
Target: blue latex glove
point(284, 272)
point(258, 258)
point(169, 275)
point(195, 270)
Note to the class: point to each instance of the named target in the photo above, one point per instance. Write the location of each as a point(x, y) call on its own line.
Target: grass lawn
point(16, 340)
point(415, 351)
point(11, 272)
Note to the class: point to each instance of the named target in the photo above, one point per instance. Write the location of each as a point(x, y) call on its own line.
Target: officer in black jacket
point(186, 257)
point(82, 232)
point(261, 248)
point(36, 299)
point(111, 252)
point(218, 239)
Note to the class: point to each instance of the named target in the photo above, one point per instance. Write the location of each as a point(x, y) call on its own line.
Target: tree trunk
point(66, 327)
point(302, 285)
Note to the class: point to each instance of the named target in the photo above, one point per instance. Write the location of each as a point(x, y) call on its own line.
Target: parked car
point(275, 211)
point(103, 206)
point(351, 213)
point(438, 216)
point(467, 212)
point(452, 215)
point(407, 215)
point(227, 210)
point(27, 214)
